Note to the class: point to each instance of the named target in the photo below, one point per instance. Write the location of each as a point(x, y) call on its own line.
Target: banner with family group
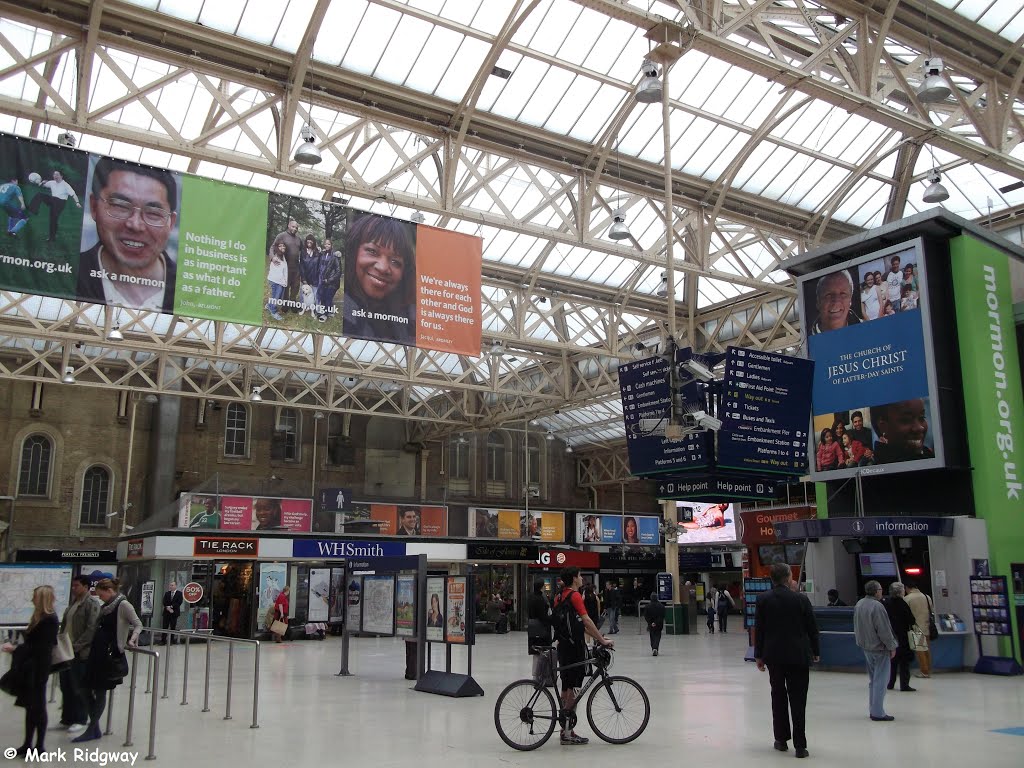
point(244, 513)
point(91, 228)
point(874, 403)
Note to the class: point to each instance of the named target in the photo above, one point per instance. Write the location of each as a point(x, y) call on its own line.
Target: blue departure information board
point(646, 403)
point(765, 412)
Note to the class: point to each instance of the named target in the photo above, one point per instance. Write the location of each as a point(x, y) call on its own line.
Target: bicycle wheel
point(525, 715)
point(618, 710)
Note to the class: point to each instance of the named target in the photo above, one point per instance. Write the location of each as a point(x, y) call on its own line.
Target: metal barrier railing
point(209, 639)
point(154, 659)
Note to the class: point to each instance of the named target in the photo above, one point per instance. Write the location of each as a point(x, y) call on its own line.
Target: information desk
point(839, 649)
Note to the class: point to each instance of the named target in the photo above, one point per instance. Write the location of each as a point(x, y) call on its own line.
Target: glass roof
point(753, 148)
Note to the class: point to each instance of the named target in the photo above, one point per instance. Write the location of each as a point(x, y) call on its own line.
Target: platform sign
point(665, 587)
point(646, 404)
point(765, 412)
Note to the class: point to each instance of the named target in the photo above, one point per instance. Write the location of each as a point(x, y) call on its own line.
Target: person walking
point(921, 606)
point(592, 604)
point(118, 628)
point(654, 615)
point(709, 603)
point(901, 619)
point(874, 637)
point(612, 606)
point(79, 622)
point(725, 604)
point(281, 611)
point(33, 659)
point(786, 642)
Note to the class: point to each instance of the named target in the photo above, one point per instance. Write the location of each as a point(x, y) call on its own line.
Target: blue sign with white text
point(611, 529)
point(337, 549)
point(765, 411)
point(863, 526)
point(648, 530)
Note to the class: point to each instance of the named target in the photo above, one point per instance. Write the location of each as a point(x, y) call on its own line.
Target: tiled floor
point(709, 707)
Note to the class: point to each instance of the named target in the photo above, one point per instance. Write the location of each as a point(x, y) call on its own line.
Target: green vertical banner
point(221, 261)
point(993, 404)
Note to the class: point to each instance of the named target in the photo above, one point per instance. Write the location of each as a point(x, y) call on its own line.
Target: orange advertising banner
point(508, 524)
point(433, 521)
point(552, 526)
point(448, 266)
point(386, 516)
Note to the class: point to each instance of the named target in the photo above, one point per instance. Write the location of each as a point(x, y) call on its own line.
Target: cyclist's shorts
point(567, 654)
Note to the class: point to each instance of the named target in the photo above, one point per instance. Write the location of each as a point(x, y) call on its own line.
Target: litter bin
point(410, 659)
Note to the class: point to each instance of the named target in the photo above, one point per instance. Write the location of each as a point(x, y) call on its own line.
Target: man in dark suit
point(786, 641)
point(172, 608)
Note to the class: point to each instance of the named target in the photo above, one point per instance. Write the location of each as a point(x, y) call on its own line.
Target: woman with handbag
point(33, 659)
point(921, 606)
point(119, 628)
point(281, 610)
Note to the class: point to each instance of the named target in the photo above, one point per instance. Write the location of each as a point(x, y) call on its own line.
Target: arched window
point(236, 431)
point(34, 474)
point(95, 496)
point(495, 457)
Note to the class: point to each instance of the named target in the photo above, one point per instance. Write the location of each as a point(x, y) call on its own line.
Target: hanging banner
point(90, 228)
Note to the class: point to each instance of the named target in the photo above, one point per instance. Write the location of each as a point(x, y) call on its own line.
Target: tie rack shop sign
point(208, 546)
point(135, 548)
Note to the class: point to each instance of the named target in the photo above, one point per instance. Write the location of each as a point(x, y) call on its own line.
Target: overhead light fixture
point(307, 153)
point(69, 375)
point(534, 422)
point(497, 349)
point(462, 440)
point(151, 399)
point(550, 435)
point(255, 396)
point(115, 334)
point(936, 192)
point(568, 448)
point(417, 218)
point(663, 288)
point(618, 229)
point(318, 415)
point(934, 88)
point(649, 91)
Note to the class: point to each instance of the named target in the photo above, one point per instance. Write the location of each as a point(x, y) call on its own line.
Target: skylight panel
point(556, 29)
point(520, 88)
point(342, 20)
point(598, 112)
point(222, 15)
point(188, 10)
point(260, 21)
point(547, 95)
point(463, 68)
point(569, 110)
point(403, 50)
point(294, 22)
point(367, 46)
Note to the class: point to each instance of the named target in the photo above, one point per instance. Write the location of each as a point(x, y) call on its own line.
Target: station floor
point(709, 707)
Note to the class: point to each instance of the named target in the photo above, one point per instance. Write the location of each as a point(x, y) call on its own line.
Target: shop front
point(550, 562)
point(95, 563)
point(230, 582)
point(499, 576)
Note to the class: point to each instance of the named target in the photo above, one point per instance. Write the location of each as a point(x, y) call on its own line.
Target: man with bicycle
point(572, 647)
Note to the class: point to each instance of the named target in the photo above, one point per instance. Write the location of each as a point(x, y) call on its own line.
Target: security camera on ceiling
point(66, 140)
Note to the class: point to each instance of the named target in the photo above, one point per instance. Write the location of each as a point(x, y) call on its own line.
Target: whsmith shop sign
point(335, 549)
point(864, 526)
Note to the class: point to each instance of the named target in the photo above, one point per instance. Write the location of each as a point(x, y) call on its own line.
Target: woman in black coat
point(902, 619)
point(34, 659)
point(654, 615)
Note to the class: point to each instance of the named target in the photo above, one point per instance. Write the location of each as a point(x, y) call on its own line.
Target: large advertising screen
point(618, 529)
point(874, 404)
point(91, 228)
point(706, 523)
point(244, 513)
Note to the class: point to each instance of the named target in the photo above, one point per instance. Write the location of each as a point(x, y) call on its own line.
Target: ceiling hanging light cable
point(308, 153)
point(936, 192)
point(618, 229)
point(934, 89)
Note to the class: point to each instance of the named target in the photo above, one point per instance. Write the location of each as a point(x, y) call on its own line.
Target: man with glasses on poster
point(134, 208)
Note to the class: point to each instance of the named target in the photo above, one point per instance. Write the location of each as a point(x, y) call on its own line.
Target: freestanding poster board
point(458, 629)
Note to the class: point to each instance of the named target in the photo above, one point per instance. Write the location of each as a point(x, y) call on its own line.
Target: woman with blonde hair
point(119, 628)
point(33, 658)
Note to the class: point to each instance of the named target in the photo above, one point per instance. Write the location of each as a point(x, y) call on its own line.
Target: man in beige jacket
point(921, 606)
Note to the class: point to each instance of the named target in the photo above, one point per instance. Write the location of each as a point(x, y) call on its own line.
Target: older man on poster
point(834, 300)
point(135, 210)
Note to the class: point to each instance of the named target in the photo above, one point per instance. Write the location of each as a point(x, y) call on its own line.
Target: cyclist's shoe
point(573, 739)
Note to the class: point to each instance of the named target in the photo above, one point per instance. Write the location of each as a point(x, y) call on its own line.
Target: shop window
point(95, 496)
point(34, 473)
point(285, 442)
point(236, 431)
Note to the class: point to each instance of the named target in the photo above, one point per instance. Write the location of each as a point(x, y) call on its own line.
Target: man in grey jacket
point(80, 621)
point(875, 638)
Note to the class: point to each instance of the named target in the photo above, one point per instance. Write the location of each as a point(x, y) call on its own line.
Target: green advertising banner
point(993, 404)
point(91, 228)
point(221, 258)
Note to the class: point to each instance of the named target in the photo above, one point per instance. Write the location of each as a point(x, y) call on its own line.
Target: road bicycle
point(618, 708)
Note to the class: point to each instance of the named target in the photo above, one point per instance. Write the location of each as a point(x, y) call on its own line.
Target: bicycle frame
point(599, 672)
